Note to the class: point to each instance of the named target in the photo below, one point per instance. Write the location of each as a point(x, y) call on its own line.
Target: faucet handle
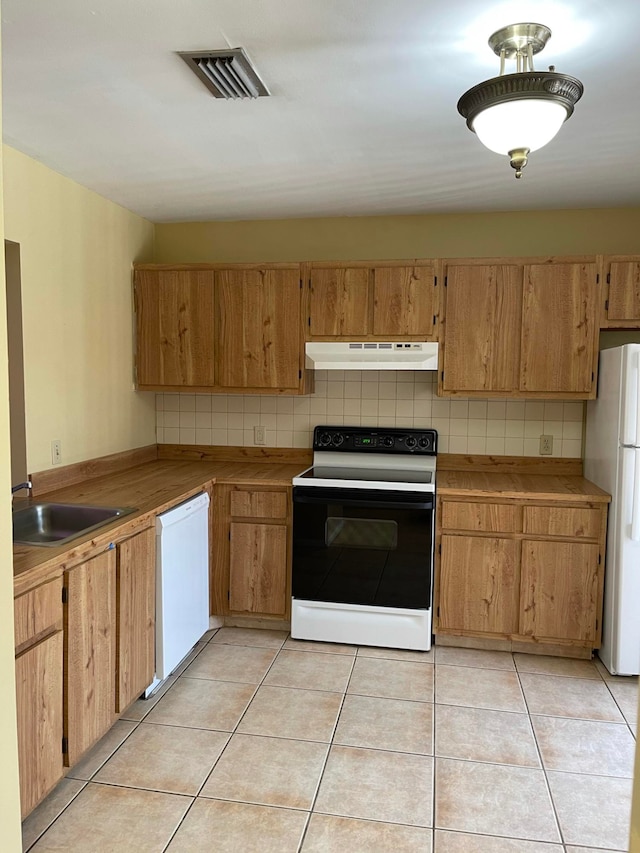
point(26, 485)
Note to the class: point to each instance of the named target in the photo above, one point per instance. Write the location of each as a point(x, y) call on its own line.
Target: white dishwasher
point(182, 582)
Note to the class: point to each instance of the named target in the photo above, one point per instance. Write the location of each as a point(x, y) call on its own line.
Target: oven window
point(381, 535)
point(368, 555)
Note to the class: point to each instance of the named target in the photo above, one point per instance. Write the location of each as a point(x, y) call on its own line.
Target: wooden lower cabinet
point(85, 649)
point(39, 706)
point(90, 653)
point(258, 568)
point(560, 591)
point(252, 551)
point(479, 584)
point(136, 616)
point(531, 573)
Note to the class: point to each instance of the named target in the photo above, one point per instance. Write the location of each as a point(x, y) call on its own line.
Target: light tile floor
point(264, 743)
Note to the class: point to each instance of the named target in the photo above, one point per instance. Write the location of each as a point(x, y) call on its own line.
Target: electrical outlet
point(259, 436)
point(56, 452)
point(546, 445)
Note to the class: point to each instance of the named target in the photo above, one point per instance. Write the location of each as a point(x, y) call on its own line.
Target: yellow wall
point(556, 232)
point(76, 251)
point(10, 835)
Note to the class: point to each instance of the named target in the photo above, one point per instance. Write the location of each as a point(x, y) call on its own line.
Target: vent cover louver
point(226, 73)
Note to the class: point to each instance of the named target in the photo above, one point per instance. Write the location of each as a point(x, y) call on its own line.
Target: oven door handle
point(372, 504)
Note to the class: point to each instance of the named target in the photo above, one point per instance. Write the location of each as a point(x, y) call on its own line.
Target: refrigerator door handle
point(636, 406)
point(635, 510)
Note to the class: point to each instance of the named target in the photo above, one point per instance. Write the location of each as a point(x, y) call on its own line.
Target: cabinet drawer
point(38, 612)
point(492, 518)
point(259, 504)
point(576, 522)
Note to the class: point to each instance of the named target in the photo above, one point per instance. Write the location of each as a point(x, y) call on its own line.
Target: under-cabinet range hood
point(370, 355)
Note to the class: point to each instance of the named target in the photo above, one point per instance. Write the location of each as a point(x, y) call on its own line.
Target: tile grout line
point(230, 734)
point(136, 723)
point(619, 707)
point(326, 759)
point(242, 715)
point(48, 827)
point(434, 776)
point(542, 765)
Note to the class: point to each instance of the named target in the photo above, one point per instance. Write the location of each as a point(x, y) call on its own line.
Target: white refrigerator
point(612, 461)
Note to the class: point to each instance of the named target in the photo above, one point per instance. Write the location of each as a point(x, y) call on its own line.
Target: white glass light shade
point(519, 124)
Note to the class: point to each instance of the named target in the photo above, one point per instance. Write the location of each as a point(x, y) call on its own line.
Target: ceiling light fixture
point(515, 114)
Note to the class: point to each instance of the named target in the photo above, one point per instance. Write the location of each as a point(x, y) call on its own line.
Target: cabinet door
point(559, 328)
point(39, 708)
point(175, 333)
point(136, 583)
point(258, 568)
point(260, 333)
point(90, 652)
point(560, 590)
point(479, 584)
point(339, 302)
point(482, 328)
point(403, 301)
point(624, 292)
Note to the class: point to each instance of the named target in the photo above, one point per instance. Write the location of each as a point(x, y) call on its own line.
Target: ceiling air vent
point(226, 73)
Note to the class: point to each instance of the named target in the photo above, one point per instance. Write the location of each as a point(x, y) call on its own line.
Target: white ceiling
point(362, 116)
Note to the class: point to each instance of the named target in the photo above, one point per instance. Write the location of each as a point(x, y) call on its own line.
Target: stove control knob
point(324, 439)
point(337, 439)
point(388, 441)
point(410, 441)
point(424, 442)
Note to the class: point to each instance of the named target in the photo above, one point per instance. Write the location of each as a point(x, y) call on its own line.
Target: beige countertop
point(151, 488)
point(156, 485)
point(494, 484)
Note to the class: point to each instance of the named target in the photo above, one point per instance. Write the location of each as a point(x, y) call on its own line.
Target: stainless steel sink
point(55, 524)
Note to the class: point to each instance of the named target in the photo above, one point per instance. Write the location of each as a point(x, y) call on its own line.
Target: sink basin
point(55, 524)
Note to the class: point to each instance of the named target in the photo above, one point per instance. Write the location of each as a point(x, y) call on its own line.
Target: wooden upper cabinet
point(403, 301)
point(175, 312)
point(213, 328)
point(482, 333)
point(368, 300)
point(259, 332)
point(622, 306)
point(560, 315)
point(519, 328)
point(339, 302)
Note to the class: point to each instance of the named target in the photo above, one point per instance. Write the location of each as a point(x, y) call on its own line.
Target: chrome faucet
point(27, 485)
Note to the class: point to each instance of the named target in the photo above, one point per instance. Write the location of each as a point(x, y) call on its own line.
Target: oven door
point(363, 546)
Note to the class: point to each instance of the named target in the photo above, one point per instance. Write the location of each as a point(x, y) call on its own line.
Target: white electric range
point(363, 534)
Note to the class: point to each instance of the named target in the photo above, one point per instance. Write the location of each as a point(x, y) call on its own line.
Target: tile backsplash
point(371, 398)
